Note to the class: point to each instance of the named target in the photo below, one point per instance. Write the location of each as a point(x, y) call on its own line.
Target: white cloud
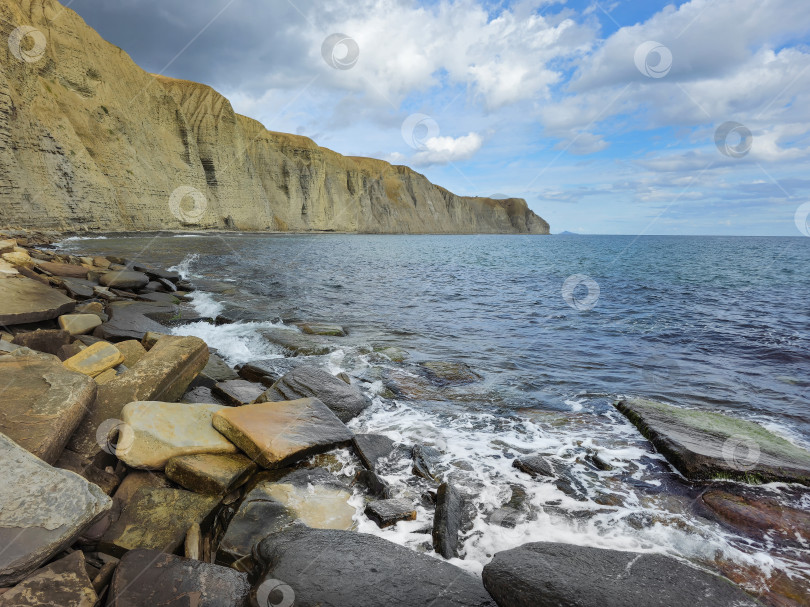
point(444, 150)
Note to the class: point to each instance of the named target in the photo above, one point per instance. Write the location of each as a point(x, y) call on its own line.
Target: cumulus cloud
point(444, 150)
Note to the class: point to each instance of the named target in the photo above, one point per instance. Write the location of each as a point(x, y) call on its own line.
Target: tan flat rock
point(64, 583)
point(78, 324)
point(161, 431)
point(63, 269)
point(210, 474)
point(42, 403)
point(132, 350)
point(19, 258)
point(7, 245)
point(26, 301)
point(105, 377)
point(277, 434)
point(95, 359)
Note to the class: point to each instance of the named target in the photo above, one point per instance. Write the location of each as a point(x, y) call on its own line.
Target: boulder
point(322, 328)
point(124, 280)
point(42, 404)
point(298, 344)
point(347, 402)
point(445, 373)
point(447, 521)
point(371, 448)
point(63, 269)
point(390, 511)
point(268, 372)
point(19, 258)
point(64, 583)
point(42, 510)
point(275, 435)
point(146, 578)
point(101, 262)
point(159, 431)
point(210, 473)
point(704, 445)
point(78, 324)
point(275, 501)
point(157, 518)
point(237, 392)
point(95, 359)
point(128, 320)
point(534, 465)
point(7, 245)
point(43, 340)
point(162, 375)
point(132, 351)
point(359, 570)
point(563, 574)
point(217, 370)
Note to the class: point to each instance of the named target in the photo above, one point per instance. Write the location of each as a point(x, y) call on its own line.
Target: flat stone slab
point(275, 435)
point(155, 432)
point(95, 359)
point(124, 280)
point(238, 392)
point(349, 569)
point(128, 320)
point(298, 344)
point(563, 574)
point(157, 518)
point(147, 578)
point(64, 583)
point(42, 510)
point(704, 445)
point(210, 474)
point(63, 269)
point(269, 371)
point(79, 288)
point(78, 324)
point(371, 448)
point(43, 340)
point(345, 401)
point(42, 403)
point(389, 512)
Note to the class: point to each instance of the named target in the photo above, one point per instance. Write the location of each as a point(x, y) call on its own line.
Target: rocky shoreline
point(141, 469)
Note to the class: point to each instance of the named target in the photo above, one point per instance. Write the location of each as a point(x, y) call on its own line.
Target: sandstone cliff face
point(89, 141)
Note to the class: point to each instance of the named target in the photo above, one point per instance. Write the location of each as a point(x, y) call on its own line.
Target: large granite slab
point(704, 445)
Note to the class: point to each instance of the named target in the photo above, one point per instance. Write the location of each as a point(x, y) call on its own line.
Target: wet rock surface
point(359, 570)
point(371, 448)
point(390, 511)
point(345, 401)
point(564, 574)
point(298, 344)
point(209, 473)
point(148, 578)
point(447, 521)
point(704, 445)
point(238, 392)
point(63, 583)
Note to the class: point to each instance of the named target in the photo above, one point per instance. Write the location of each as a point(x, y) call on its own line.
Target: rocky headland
point(142, 470)
point(90, 141)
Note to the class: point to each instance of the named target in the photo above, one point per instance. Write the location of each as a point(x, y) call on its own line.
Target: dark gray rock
point(128, 320)
point(43, 340)
point(389, 512)
point(373, 485)
point(329, 568)
point(201, 394)
point(237, 392)
point(534, 465)
point(79, 288)
point(563, 574)
point(64, 583)
point(268, 372)
point(704, 445)
point(159, 298)
point(371, 448)
point(124, 280)
point(425, 460)
point(215, 371)
point(447, 521)
point(347, 402)
point(298, 344)
point(147, 578)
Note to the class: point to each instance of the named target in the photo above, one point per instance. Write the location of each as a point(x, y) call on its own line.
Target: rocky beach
point(141, 469)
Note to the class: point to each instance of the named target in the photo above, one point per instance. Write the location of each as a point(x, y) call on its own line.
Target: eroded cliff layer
point(89, 141)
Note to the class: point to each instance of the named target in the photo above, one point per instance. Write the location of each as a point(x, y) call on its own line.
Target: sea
point(557, 328)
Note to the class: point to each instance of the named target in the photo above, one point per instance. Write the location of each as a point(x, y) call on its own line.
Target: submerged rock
point(238, 392)
point(345, 401)
point(360, 570)
point(157, 519)
point(155, 432)
point(147, 578)
point(704, 445)
point(298, 344)
point(563, 574)
point(322, 328)
point(42, 510)
point(42, 403)
point(63, 583)
point(275, 435)
point(448, 373)
point(210, 474)
point(447, 521)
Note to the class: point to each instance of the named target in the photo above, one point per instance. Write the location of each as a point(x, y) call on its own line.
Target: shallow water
point(709, 322)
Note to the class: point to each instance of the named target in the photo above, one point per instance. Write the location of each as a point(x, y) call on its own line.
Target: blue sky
point(603, 116)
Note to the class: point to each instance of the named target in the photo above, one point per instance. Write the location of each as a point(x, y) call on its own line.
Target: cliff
point(89, 141)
